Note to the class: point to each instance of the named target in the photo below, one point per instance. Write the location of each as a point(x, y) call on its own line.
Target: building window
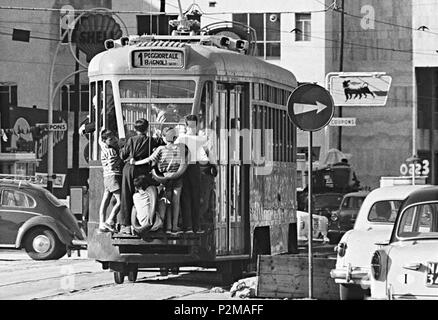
point(303, 26)
point(159, 24)
point(8, 94)
point(68, 97)
point(267, 27)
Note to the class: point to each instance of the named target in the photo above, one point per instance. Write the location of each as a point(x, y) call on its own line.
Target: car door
point(413, 263)
point(15, 209)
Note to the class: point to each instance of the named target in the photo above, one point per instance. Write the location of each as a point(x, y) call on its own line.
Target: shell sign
point(93, 30)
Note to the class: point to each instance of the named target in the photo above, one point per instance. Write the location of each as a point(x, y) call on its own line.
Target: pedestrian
point(191, 190)
point(112, 174)
point(171, 163)
point(137, 147)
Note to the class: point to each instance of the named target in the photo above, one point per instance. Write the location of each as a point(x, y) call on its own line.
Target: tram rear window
point(157, 88)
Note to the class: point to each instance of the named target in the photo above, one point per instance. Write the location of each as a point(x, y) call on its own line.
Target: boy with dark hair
point(190, 203)
point(112, 175)
point(170, 160)
point(137, 147)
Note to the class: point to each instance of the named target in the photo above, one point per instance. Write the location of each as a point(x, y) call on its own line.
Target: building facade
point(301, 35)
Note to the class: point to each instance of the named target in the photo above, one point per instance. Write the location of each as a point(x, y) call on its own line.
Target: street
point(79, 278)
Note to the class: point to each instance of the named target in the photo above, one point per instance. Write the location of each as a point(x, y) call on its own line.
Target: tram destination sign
point(157, 59)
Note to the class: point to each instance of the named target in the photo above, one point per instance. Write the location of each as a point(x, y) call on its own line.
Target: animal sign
point(355, 90)
point(359, 89)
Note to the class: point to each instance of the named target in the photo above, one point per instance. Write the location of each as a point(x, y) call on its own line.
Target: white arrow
point(304, 108)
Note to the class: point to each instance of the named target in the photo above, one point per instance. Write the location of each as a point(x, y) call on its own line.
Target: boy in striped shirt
point(112, 177)
point(168, 159)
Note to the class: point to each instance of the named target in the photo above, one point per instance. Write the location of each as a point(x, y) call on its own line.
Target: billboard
point(359, 89)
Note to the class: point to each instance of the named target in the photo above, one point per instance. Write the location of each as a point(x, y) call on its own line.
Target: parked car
point(319, 230)
point(324, 204)
point(373, 225)
point(343, 219)
point(407, 266)
point(34, 219)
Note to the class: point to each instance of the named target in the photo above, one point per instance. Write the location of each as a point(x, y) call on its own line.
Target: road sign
point(359, 88)
point(310, 107)
point(57, 127)
point(343, 122)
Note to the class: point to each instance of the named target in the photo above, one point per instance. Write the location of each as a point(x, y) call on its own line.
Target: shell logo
point(92, 31)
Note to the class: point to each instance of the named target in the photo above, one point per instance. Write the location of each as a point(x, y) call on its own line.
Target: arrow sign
point(310, 107)
point(300, 108)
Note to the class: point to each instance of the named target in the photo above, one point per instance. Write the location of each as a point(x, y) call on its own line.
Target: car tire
point(119, 277)
point(42, 244)
point(351, 292)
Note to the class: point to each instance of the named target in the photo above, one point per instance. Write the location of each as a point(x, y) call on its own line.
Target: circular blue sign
point(310, 107)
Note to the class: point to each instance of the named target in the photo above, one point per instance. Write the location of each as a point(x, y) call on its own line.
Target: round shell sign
point(310, 107)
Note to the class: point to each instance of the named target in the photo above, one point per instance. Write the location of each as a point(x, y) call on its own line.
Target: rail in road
point(80, 278)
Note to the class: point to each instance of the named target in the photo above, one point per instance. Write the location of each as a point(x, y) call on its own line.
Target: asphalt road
point(80, 278)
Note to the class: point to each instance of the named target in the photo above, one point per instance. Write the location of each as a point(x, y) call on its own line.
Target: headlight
point(341, 248)
point(376, 265)
point(334, 217)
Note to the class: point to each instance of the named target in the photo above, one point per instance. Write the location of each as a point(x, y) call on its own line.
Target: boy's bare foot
point(105, 227)
point(125, 230)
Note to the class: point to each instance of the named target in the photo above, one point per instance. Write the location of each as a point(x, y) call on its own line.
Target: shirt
point(196, 145)
point(111, 162)
point(142, 203)
point(138, 147)
point(168, 157)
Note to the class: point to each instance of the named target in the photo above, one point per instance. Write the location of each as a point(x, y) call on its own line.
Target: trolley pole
point(310, 236)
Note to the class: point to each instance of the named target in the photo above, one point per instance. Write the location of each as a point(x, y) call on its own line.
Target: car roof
point(422, 195)
point(20, 185)
point(394, 192)
point(357, 194)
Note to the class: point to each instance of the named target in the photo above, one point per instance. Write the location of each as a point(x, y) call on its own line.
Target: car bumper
point(355, 275)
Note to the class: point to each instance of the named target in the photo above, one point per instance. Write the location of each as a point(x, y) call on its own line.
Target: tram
point(249, 207)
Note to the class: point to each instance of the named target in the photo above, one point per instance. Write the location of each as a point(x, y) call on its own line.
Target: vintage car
point(373, 225)
point(324, 204)
point(407, 266)
point(319, 230)
point(34, 219)
point(343, 219)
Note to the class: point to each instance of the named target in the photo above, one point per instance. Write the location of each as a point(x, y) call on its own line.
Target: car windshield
point(420, 221)
point(351, 203)
point(328, 201)
point(384, 211)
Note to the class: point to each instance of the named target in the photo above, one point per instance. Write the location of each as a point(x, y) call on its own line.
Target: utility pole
point(341, 69)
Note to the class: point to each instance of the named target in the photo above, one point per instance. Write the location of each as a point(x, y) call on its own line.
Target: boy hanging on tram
point(137, 147)
point(171, 163)
point(112, 177)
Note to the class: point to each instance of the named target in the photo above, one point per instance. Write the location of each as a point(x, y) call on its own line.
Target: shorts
point(112, 183)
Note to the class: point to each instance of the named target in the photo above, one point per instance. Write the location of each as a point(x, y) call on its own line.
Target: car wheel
point(43, 244)
point(351, 292)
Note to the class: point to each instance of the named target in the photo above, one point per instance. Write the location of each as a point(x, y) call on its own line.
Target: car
point(34, 219)
point(407, 266)
point(343, 219)
point(324, 204)
point(319, 230)
point(373, 225)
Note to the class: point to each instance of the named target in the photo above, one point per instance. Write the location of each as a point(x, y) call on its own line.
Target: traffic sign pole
point(310, 236)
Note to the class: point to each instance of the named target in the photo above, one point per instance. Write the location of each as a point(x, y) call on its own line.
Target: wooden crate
point(286, 276)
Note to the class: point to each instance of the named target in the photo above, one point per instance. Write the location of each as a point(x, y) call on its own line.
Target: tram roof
point(202, 60)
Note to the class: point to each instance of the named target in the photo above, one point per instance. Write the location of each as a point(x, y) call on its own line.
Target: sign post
point(310, 108)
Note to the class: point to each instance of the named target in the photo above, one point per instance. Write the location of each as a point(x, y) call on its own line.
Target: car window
point(352, 202)
point(419, 221)
point(328, 201)
point(384, 211)
point(14, 198)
